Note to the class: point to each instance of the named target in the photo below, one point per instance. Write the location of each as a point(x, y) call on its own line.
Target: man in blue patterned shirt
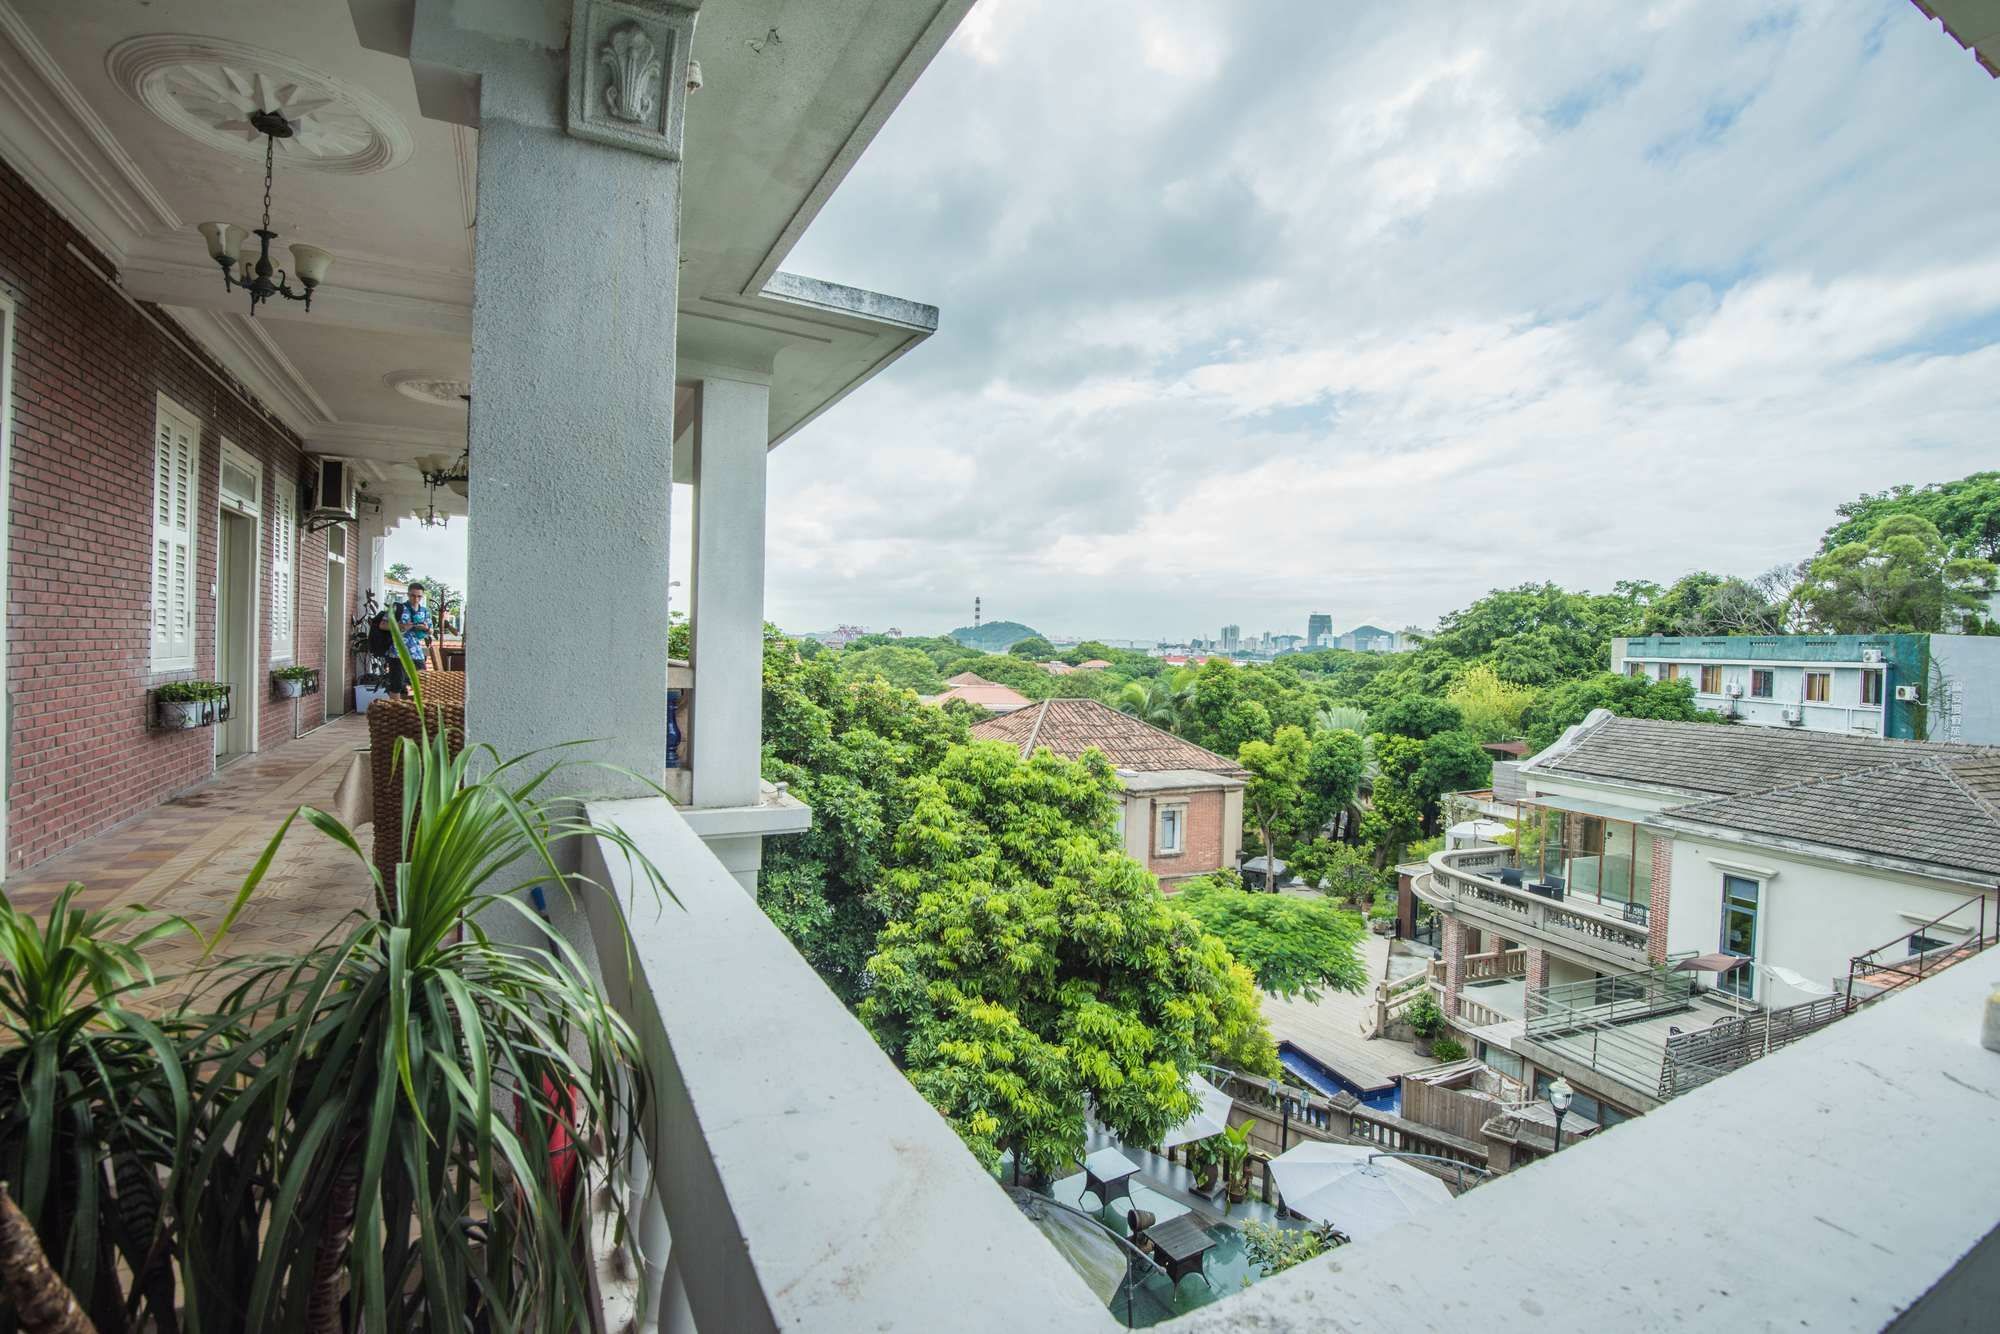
point(413, 618)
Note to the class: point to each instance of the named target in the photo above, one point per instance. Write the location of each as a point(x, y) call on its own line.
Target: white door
point(239, 510)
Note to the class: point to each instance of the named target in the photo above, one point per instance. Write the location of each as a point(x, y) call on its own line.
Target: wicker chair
point(442, 687)
point(389, 720)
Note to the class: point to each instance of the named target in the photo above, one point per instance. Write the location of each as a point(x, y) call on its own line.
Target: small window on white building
point(1871, 687)
point(1819, 687)
point(1711, 680)
point(284, 569)
point(1170, 831)
point(176, 471)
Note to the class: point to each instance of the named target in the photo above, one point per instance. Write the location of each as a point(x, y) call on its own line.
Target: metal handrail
point(1944, 955)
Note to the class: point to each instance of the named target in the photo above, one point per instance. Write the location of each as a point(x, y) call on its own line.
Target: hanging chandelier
point(229, 245)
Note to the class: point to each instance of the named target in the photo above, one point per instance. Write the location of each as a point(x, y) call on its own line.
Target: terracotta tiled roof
point(1068, 727)
point(978, 690)
point(1094, 665)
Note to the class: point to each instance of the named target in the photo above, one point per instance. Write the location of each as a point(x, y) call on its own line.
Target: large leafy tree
point(1274, 796)
point(846, 749)
point(1489, 708)
point(1902, 577)
point(1336, 763)
point(1966, 514)
point(904, 668)
point(1452, 762)
point(1034, 648)
point(1395, 815)
point(1419, 716)
point(1295, 945)
point(1714, 604)
point(1030, 972)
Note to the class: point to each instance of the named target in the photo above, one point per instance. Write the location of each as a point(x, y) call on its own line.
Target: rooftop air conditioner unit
point(332, 494)
point(1795, 715)
point(1871, 655)
point(1734, 690)
point(1908, 695)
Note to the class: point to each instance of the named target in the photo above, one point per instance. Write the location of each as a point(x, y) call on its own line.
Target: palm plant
point(406, 1136)
point(1159, 700)
point(94, 1106)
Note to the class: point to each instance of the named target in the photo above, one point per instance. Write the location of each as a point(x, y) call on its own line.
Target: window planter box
point(184, 715)
point(291, 687)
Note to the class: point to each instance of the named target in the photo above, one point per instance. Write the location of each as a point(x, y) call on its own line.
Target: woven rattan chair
point(442, 687)
point(389, 720)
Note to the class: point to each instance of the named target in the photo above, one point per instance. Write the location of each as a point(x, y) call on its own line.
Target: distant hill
point(993, 636)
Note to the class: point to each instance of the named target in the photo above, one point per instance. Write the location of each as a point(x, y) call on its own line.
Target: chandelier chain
point(270, 149)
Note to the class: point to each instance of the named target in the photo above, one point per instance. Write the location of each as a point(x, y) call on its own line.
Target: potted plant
point(1447, 1050)
point(291, 682)
point(184, 705)
point(1203, 1158)
point(1232, 1146)
point(1426, 1020)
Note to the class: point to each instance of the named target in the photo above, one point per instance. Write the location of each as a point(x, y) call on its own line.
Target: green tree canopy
point(1452, 762)
point(1336, 762)
point(1274, 796)
point(905, 668)
point(1966, 514)
point(1419, 716)
point(1340, 870)
point(1714, 604)
point(1030, 972)
point(1034, 648)
point(1489, 708)
point(1295, 945)
point(1902, 578)
point(1090, 650)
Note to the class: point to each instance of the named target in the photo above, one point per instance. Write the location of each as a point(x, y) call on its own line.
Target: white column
point(576, 279)
point(732, 435)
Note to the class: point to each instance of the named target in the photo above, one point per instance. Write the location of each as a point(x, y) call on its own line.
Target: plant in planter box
point(1448, 1049)
point(291, 682)
point(419, 1118)
point(181, 705)
point(1232, 1147)
point(1204, 1158)
point(1426, 1020)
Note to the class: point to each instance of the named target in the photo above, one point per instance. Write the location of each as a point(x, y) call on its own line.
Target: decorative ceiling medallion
point(208, 87)
point(437, 388)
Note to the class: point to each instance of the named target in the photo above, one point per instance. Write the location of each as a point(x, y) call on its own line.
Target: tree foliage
point(904, 668)
point(1966, 514)
point(1296, 945)
point(1901, 578)
point(1034, 648)
point(1030, 972)
point(1489, 708)
point(1626, 696)
point(1274, 796)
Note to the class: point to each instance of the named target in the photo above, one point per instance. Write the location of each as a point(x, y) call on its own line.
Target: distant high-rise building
point(1319, 629)
point(1232, 638)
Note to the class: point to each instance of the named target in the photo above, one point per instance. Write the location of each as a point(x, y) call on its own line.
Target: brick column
point(1452, 943)
point(1538, 968)
point(1663, 874)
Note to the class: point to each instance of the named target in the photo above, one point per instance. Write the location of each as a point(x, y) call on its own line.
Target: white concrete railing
point(803, 1183)
point(1824, 1248)
point(1454, 885)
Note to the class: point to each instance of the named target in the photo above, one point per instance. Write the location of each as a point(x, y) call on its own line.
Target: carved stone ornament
point(628, 73)
point(632, 90)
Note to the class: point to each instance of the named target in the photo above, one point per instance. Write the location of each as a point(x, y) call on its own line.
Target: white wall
point(1971, 668)
point(1812, 917)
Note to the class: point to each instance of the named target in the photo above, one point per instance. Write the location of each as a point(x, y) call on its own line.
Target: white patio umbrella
point(1211, 1114)
point(1354, 1188)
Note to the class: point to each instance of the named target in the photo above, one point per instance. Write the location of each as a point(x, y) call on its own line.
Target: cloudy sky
point(1254, 309)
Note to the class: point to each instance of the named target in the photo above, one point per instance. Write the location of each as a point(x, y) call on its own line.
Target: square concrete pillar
point(731, 445)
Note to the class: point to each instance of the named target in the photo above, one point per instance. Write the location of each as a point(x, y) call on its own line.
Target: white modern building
point(1808, 870)
point(1931, 687)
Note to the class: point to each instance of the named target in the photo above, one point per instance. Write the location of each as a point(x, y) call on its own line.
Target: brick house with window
point(1183, 805)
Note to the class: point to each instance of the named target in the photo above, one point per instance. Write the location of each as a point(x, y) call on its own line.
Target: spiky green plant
point(378, 1150)
point(94, 1105)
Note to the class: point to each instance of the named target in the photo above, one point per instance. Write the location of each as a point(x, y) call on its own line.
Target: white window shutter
point(284, 569)
point(176, 456)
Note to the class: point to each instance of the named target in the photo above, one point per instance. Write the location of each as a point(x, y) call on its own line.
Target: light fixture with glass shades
point(230, 245)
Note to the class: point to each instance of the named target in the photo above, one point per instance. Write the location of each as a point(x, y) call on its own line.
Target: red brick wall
point(1201, 839)
point(87, 371)
point(1663, 880)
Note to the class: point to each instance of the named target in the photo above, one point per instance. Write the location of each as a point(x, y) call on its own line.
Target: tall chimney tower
point(975, 611)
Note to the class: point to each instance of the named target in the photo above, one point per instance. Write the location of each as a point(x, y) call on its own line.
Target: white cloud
point(1261, 309)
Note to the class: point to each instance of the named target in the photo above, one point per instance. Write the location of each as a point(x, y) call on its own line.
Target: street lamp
point(1284, 1115)
point(1560, 1096)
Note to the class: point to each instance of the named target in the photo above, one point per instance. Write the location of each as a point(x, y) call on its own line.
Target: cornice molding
point(242, 345)
point(389, 444)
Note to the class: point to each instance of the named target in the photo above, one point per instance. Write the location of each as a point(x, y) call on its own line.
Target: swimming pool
point(1383, 1098)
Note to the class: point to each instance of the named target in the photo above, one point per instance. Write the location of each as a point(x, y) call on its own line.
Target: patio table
point(1183, 1245)
point(1105, 1174)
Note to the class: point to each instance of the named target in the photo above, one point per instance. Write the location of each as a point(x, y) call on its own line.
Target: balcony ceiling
point(125, 116)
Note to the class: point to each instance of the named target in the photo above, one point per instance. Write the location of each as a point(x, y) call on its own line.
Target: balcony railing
point(1465, 881)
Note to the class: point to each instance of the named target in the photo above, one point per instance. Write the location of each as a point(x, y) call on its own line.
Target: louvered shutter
point(284, 569)
point(176, 457)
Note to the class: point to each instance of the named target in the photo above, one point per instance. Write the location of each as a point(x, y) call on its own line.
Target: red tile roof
point(978, 690)
point(1069, 727)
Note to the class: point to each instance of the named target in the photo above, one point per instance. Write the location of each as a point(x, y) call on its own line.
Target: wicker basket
point(442, 687)
point(390, 720)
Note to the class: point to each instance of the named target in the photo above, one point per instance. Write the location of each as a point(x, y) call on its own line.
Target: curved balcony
point(1466, 883)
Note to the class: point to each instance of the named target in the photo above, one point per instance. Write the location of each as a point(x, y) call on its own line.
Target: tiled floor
point(191, 855)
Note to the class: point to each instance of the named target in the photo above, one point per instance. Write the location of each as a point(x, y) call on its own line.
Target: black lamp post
point(1560, 1096)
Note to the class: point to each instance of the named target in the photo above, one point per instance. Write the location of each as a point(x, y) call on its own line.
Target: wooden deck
point(1330, 1030)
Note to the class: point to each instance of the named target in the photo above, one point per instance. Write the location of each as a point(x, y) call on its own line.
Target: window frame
point(1871, 687)
point(1711, 672)
point(284, 620)
point(1746, 987)
point(1178, 810)
point(1769, 678)
point(1825, 695)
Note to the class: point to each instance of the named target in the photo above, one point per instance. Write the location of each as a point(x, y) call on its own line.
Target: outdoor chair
point(1510, 876)
point(389, 721)
point(442, 687)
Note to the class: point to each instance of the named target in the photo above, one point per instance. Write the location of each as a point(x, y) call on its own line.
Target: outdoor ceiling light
point(229, 245)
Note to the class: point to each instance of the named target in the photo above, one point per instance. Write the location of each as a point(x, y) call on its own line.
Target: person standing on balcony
point(413, 618)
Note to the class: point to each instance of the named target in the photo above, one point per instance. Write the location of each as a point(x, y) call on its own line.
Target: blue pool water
point(1384, 1098)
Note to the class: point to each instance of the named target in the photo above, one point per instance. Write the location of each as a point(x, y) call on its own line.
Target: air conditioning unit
point(1734, 690)
point(1795, 714)
point(1871, 655)
point(1908, 695)
point(332, 494)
